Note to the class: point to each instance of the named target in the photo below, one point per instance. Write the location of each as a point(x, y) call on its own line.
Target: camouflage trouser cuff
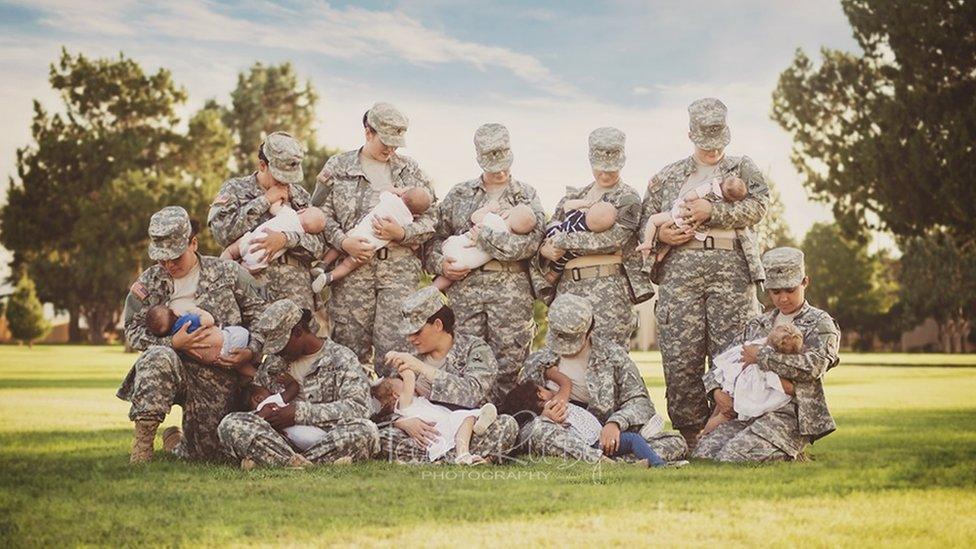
point(146, 416)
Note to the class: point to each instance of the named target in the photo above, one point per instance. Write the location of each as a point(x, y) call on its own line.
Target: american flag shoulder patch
point(139, 290)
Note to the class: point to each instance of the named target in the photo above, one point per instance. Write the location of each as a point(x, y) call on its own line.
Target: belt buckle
point(576, 274)
point(708, 243)
point(382, 254)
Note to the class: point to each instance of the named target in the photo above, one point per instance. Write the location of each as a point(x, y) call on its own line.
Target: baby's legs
point(331, 256)
point(232, 252)
point(462, 440)
point(442, 283)
point(633, 443)
point(341, 270)
point(714, 421)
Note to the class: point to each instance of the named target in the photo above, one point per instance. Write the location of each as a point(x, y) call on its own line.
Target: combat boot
point(142, 441)
point(172, 436)
point(297, 461)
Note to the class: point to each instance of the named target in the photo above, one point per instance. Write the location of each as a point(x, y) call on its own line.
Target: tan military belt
point(594, 271)
point(288, 259)
point(504, 266)
point(393, 252)
point(595, 259)
point(712, 243)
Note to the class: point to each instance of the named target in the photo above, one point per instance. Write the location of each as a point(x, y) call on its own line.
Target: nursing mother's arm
point(609, 241)
point(633, 402)
point(353, 393)
point(469, 388)
point(230, 217)
point(821, 352)
point(748, 211)
point(136, 333)
point(508, 246)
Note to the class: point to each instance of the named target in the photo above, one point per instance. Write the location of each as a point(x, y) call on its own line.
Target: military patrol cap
point(276, 322)
point(570, 316)
point(418, 307)
point(389, 123)
point(285, 155)
point(784, 268)
point(607, 149)
point(709, 129)
point(491, 143)
point(169, 233)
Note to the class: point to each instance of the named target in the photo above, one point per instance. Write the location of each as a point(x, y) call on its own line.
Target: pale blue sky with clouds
point(550, 71)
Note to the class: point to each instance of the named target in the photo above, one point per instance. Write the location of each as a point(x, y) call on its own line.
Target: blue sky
point(551, 71)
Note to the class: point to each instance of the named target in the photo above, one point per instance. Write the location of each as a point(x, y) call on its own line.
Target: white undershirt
point(783, 319)
point(574, 368)
point(423, 387)
point(184, 296)
point(299, 368)
point(379, 175)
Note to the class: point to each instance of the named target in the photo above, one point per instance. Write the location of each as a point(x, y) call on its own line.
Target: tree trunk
point(74, 328)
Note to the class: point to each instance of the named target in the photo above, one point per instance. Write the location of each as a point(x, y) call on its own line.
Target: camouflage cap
point(275, 324)
point(169, 233)
point(389, 123)
point(607, 149)
point(570, 317)
point(418, 307)
point(784, 268)
point(285, 155)
point(492, 146)
point(709, 130)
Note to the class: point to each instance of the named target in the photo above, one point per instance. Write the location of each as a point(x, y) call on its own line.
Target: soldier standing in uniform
point(598, 272)
point(243, 203)
point(363, 305)
point(784, 433)
point(166, 373)
point(493, 302)
point(334, 397)
point(706, 288)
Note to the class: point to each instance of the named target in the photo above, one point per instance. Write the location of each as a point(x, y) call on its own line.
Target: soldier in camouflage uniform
point(363, 305)
point(707, 288)
point(243, 203)
point(617, 394)
point(784, 433)
point(166, 373)
point(599, 273)
point(334, 397)
point(454, 370)
point(493, 302)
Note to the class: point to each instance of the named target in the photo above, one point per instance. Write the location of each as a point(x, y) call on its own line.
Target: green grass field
point(901, 469)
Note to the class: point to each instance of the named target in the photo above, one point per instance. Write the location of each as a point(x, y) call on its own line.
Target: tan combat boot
point(142, 441)
point(298, 461)
point(172, 436)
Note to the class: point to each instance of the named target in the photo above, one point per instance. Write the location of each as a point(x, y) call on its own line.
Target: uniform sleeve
point(422, 228)
point(633, 402)
point(230, 218)
point(748, 211)
point(535, 367)
point(352, 401)
point(469, 389)
point(811, 364)
point(323, 197)
point(609, 241)
point(136, 333)
point(443, 229)
point(507, 246)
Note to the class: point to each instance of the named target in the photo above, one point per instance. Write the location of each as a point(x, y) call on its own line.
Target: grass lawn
point(901, 469)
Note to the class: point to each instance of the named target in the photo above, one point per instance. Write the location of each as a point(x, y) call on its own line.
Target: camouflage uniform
point(493, 302)
point(468, 374)
point(362, 305)
point(240, 206)
point(161, 378)
point(334, 397)
point(782, 434)
point(617, 391)
point(704, 295)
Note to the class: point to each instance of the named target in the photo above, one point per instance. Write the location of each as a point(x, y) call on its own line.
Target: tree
point(25, 314)
point(773, 231)
point(846, 280)
point(888, 135)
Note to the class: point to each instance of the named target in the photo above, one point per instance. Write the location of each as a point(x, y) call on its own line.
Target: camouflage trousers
point(614, 317)
point(161, 378)
point(497, 442)
point(244, 434)
point(364, 308)
point(497, 307)
point(286, 281)
point(542, 437)
point(704, 301)
point(774, 436)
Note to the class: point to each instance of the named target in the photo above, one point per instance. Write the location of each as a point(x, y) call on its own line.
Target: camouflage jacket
point(226, 290)
point(467, 374)
point(617, 391)
point(335, 388)
point(454, 217)
point(741, 216)
point(240, 206)
point(821, 341)
point(343, 193)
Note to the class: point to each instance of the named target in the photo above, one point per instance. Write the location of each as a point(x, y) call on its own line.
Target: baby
point(463, 248)
point(263, 401)
point(308, 220)
point(731, 189)
point(581, 215)
point(163, 321)
point(455, 426)
point(754, 391)
point(403, 205)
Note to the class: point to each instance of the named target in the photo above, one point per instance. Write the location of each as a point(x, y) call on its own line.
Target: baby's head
point(159, 320)
point(417, 200)
point(524, 402)
point(312, 220)
point(255, 394)
point(521, 219)
point(601, 216)
point(386, 391)
point(733, 189)
point(786, 339)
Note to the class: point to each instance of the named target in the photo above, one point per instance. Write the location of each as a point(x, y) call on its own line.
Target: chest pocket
point(217, 298)
point(321, 386)
point(346, 201)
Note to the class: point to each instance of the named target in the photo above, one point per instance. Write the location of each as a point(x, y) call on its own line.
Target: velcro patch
point(221, 199)
point(139, 290)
